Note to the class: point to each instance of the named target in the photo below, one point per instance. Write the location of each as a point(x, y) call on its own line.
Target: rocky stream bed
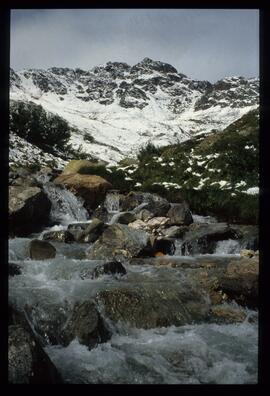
point(138, 291)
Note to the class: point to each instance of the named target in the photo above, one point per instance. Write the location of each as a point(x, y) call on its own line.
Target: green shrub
point(45, 130)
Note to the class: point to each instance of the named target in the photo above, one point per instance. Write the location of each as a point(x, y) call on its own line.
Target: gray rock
point(155, 204)
point(179, 214)
point(120, 242)
point(85, 324)
point(29, 209)
point(27, 361)
point(41, 250)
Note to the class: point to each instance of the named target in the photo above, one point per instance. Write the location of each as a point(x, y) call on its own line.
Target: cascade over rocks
point(90, 187)
point(120, 241)
point(202, 238)
point(41, 250)
point(29, 209)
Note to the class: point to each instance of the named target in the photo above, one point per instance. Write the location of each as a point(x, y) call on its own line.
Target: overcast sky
point(203, 44)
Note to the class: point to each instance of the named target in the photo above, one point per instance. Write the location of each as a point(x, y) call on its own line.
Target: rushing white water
point(66, 207)
point(111, 202)
point(192, 354)
point(203, 219)
point(229, 246)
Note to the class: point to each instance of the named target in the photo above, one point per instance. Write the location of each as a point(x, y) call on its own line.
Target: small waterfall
point(66, 207)
point(229, 246)
point(181, 249)
point(203, 219)
point(111, 202)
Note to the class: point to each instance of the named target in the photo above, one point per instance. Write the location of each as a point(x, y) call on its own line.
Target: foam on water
point(207, 353)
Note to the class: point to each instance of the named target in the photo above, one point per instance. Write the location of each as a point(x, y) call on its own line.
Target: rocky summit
point(115, 109)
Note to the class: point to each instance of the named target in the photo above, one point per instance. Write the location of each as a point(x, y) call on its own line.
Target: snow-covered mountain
point(124, 107)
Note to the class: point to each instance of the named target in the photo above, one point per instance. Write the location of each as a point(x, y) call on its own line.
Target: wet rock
point(120, 242)
point(155, 204)
point(111, 268)
point(179, 214)
point(124, 218)
point(101, 213)
point(58, 236)
point(14, 269)
point(27, 361)
point(41, 250)
point(203, 238)
point(149, 307)
point(48, 320)
point(85, 324)
point(90, 187)
point(92, 232)
point(25, 204)
point(240, 281)
point(225, 313)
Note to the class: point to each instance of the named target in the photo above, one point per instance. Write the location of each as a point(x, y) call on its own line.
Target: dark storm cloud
point(204, 44)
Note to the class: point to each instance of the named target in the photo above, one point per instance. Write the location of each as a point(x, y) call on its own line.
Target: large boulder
point(120, 242)
point(41, 250)
point(240, 281)
point(27, 361)
point(149, 306)
point(203, 238)
point(90, 187)
point(29, 209)
point(179, 214)
point(155, 204)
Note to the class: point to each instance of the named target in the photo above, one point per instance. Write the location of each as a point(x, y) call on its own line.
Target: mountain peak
point(150, 64)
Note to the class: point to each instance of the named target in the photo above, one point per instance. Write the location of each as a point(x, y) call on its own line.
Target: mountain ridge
point(123, 107)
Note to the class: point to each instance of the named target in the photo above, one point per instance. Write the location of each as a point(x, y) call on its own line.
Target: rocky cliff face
point(117, 108)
